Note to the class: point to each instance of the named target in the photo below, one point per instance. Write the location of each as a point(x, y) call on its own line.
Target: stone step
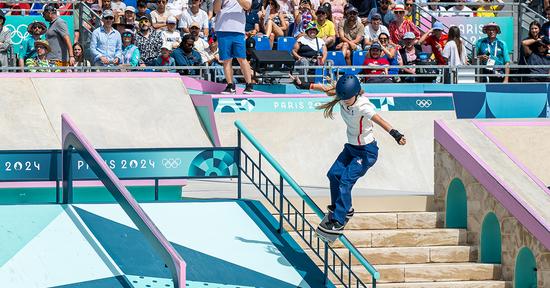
point(400, 220)
point(398, 238)
point(454, 284)
point(408, 255)
point(440, 272)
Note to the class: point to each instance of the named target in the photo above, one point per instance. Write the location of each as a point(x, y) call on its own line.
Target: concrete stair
point(412, 250)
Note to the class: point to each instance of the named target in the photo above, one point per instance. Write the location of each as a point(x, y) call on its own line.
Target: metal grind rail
point(274, 191)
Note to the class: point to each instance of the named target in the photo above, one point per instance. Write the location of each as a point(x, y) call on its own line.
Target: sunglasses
point(144, 21)
point(382, 39)
point(109, 18)
point(408, 5)
point(399, 12)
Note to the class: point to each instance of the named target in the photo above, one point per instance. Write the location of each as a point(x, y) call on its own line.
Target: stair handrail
point(298, 189)
point(74, 141)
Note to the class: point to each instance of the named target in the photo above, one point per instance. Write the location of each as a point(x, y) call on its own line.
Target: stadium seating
point(262, 43)
point(285, 43)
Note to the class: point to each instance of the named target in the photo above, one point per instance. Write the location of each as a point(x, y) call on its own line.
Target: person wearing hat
point(492, 51)
point(130, 52)
point(400, 25)
point(436, 39)
point(536, 52)
point(385, 12)
point(326, 28)
point(375, 58)
point(186, 55)
point(130, 17)
point(41, 59)
point(194, 14)
point(171, 36)
point(106, 44)
point(5, 40)
point(309, 49)
point(200, 44)
point(26, 50)
point(165, 59)
point(409, 54)
point(148, 41)
point(374, 28)
point(58, 37)
point(351, 34)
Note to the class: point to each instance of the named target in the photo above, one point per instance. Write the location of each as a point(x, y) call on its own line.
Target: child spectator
point(5, 40)
point(159, 16)
point(374, 59)
point(130, 53)
point(351, 34)
point(171, 36)
point(26, 50)
point(142, 10)
point(185, 55)
point(164, 59)
point(79, 60)
point(400, 25)
point(436, 39)
point(326, 28)
point(373, 30)
point(194, 15)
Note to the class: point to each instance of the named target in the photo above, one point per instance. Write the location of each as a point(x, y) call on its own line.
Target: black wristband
point(396, 135)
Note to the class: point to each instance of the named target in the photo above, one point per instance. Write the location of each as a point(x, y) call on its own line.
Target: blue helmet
point(347, 87)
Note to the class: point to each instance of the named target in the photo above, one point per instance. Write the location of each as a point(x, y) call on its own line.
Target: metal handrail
point(74, 141)
point(240, 126)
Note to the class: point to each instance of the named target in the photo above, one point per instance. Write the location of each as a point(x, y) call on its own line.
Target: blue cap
point(438, 26)
point(376, 45)
point(347, 87)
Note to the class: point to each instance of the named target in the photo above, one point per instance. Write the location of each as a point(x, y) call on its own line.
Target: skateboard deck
point(326, 237)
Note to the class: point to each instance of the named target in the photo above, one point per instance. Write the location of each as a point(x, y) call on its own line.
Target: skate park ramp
point(131, 110)
point(225, 243)
point(306, 144)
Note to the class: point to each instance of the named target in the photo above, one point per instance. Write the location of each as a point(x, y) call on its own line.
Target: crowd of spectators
point(185, 33)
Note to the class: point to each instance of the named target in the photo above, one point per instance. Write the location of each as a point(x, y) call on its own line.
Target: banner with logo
point(18, 27)
point(471, 28)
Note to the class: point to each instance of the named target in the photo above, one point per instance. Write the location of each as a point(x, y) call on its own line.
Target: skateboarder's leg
point(335, 172)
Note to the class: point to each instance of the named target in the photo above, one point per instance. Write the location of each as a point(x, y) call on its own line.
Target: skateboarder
point(359, 154)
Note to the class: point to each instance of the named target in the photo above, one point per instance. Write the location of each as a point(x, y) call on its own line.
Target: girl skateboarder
point(359, 154)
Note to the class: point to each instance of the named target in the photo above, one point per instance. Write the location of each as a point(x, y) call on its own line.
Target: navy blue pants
point(352, 163)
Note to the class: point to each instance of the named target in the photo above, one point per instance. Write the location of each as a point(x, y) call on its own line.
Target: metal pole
point(239, 180)
point(156, 189)
point(325, 265)
point(67, 177)
point(281, 210)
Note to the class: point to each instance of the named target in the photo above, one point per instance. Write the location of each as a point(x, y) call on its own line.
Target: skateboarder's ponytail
point(329, 107)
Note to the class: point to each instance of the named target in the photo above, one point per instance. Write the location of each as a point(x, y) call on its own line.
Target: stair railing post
point(67, 176)
point(239, 168)
point(281, 212)
point(325, 265)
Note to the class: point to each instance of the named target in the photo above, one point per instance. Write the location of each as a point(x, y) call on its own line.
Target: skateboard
point(326, 237)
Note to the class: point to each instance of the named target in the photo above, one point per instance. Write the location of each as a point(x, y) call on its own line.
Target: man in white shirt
point(459, 10)
point(374, 29)
point(200, 44)
point(176, 7)
point(194, 14)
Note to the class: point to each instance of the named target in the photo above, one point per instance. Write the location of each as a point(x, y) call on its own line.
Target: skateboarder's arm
point(400, 138)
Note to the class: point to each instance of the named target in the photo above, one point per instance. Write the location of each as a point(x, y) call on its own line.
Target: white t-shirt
point(157, 18)
point(172, 38)
point(466, 12)
point(176, 7)
point(451, 53)
point(316, 44)
point(231, 17)
point(201, 46)
point(117, 6)
point(358, 120)
point(187, 18)
point(371, 34)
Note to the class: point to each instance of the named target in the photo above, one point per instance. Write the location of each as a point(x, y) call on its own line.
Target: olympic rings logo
point(18, 34)
point(171, 162)
point(424, 103)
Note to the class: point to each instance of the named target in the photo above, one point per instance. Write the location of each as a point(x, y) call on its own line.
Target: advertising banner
point(471, 28)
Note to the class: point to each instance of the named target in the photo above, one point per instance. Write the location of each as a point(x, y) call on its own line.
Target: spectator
point(489, 8)
point(400, 25)
point(436, 39)
point(79, 60)
point(41, 59)
point(211, 55)
point(545, 29)
point(536, 53)
point(208, 7)
point(57, 35)
point(106, 44)
point(302, 17)
point(351, 34)
point(148, 41)
point(363, 8)
point(5, 41)
point(455, 51)
point(337, 11)
point(130, 53)
point(130, 17)
point(309, 49)
point(164, 59)
point(176, 7)
point(436, 10)
point(142, 10)
point(409, 11)
point(460, 10)
point(384, 11)
point(230, 23)
point(273, 21)
point(105, 5)
point(389, 52)
point(159, 16)
point(26, 50)
point(374, 59)
point(200, 44)
point(194, 15)
point(252, 26)
point(492, 51)
point(16, 9)
point(534, 33)
point(171, 36)
point(373, 30)
point(326, 28)
point(118, 7)
point(287, 8)
point(185, 55)
point(408, 56)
